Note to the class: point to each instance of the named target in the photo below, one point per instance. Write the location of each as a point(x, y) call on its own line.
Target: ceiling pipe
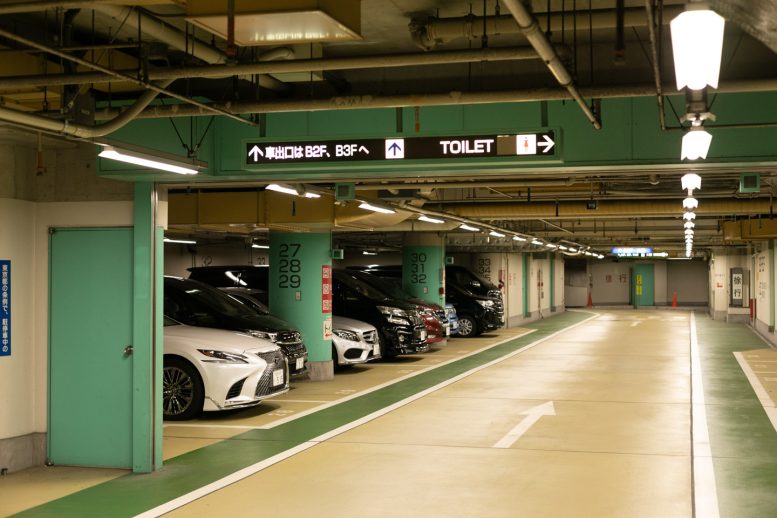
point(145, 84)
point(267, 67)
point(358, 102)
point(651, 23)
point(430, 32)
point(468, 185)
point(537, 39)
point(63, 127)
point(35, 6)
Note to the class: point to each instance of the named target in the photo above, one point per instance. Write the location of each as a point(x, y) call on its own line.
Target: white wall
point(514, 300)
point(17, 385)
point(610, 282)
point(763, 298)
point(559, 283)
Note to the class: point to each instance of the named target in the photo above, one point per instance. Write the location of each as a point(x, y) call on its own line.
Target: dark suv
point(478, 302)
point(196, 304)
point(399, 323)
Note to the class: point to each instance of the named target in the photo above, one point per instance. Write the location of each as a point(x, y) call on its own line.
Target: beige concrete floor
point(618, 446)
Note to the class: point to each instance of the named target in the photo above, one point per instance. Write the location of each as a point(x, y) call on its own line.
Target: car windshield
point(386, 286)
point(251, 302)
point(465, 277)
point(362, 287)
point(204, 299)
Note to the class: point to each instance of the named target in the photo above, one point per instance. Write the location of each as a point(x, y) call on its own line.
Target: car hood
point(219, 339)
point(350, 324)
point(261, 322)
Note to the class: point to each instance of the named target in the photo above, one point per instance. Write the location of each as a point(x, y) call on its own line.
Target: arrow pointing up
point(532, 416)
point(547, 144)
point(394, 148)
point(255, 152)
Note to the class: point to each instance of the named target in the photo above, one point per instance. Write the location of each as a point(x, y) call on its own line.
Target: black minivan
point(256, 277)
point(399, 323)
point(478, 302)
point(196, 304)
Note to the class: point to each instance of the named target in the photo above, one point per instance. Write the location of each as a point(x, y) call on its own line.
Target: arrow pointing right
point(532, 416)
point(547, 144)
point(255, 152)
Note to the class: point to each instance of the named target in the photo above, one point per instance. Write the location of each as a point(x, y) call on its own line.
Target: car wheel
point(182, 391)
point(335, 361)
point(467, 327)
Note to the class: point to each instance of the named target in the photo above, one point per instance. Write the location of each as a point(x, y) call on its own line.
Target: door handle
point(128, 351)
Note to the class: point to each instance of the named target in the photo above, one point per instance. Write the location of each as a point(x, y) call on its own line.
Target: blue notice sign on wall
point(5, 307)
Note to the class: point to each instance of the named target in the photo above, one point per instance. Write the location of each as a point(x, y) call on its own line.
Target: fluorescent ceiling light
point(696, 143)
point(265, 247)
point(180, 241)
point(494, 233)
point(697, 44)
point(282, 188)
point(149, 160)
point(374, 208)
point(690, 203)
point(562, 247)
point(689, 224)
point(551, 245)
point(573, 250)
point(688, 231)
point(600, 256)
point(588, 253)
point(536, 242)
point(366, 252)
point(688, 216)
point(519, 238)
point(428, 219)
point(311, 195)
point(464, 226)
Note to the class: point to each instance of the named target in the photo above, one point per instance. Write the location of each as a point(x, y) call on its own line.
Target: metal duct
point(605, 209)
point(430, 32)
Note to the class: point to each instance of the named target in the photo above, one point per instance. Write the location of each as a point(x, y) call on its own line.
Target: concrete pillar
point(300, 292)
point(423, 266)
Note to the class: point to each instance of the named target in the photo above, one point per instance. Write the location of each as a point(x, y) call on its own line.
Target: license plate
point(422, 335)
point(376, 348)
point(448, 330)
point(277, 377)
point(300, 364)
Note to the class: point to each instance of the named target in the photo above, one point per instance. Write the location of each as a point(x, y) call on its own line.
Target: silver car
point(353, 341)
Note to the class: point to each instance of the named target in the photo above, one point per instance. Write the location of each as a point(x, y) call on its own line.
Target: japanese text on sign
point(326, 288)
point(5, 307)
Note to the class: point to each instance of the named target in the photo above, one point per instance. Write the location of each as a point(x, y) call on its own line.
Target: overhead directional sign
point(411, 148)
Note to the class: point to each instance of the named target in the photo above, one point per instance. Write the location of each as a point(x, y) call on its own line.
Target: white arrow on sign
point(547, 144)
point(532, 416)
point(255, 152)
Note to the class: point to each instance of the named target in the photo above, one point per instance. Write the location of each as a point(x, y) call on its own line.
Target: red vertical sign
point(326, 288)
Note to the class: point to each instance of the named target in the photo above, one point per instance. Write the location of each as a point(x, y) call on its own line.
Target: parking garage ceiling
point(400, 53)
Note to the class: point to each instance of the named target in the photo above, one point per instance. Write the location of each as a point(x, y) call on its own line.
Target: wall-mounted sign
point(326, 288)
point(5, 307)
point(412, 148)
point(627, 251)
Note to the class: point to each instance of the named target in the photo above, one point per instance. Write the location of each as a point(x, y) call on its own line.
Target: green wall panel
point(422, 272)
point(518, 116)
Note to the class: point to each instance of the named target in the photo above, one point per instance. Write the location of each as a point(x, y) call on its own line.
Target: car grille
point(294, 350)
point(499, 306)
point(289, 337)
point(353, 354)
point(236, 389)
point(415, 318)
point(371, 337)
point(274, 361)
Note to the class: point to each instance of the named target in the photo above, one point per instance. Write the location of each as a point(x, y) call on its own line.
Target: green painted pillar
point(552, 281)
point(423, 267)
point(146, 329)
point(526, 287)
point(771, 286)
point(300, 293)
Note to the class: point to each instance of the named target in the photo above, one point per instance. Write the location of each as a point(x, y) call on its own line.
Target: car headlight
point(346, 335)
point(222, 356)
point(486, 303)
point(395, 315)
point(273, 337)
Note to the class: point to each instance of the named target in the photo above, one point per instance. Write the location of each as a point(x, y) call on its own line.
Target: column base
point(321, 371)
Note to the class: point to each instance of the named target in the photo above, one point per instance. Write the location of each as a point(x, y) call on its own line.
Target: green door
point(643, 285)
point(90, 375)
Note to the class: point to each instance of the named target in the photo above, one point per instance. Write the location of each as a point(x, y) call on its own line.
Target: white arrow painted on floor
point(532, 416)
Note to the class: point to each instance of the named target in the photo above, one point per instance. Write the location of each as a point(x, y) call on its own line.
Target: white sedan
point(353, 341)
point(212, 369)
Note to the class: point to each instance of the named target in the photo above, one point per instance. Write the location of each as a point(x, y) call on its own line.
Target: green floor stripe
point(133, 494)
point(743, 441)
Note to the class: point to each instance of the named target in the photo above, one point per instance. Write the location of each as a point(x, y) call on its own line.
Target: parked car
point(353, 342)
point(453, 318)
point(433, 315)
point(212, 369)
point(254, 277)
point(196, 304)
point(478, 302)
point(398, 322)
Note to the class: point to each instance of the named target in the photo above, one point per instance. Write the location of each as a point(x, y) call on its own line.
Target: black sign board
point(412, 148)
